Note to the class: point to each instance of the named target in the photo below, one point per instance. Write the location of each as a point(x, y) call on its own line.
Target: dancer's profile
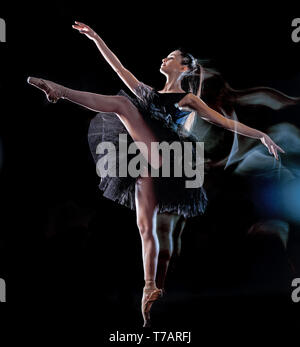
point(151, 116)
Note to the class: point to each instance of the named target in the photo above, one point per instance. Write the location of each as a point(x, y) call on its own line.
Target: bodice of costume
point(172, 110)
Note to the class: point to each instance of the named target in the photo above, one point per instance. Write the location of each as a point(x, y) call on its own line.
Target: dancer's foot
point(53, 90)
point(149, 296)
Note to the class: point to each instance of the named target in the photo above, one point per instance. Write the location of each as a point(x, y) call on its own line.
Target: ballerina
point(146, 118)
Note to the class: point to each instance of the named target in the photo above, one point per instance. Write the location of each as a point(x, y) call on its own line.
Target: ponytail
point(192, 79)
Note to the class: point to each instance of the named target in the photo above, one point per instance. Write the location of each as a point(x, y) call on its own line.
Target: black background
point(71, 256)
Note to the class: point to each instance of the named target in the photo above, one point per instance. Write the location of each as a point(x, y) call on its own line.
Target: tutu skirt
point(171, 192)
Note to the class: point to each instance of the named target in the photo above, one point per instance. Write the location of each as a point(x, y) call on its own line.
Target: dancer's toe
point(53, 90)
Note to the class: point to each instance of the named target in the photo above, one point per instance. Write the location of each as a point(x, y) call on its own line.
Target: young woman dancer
point(152, 116)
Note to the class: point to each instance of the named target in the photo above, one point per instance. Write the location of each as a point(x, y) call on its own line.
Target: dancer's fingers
point(280, 149)
point(269, 149)
point(79, 23)
point(83, 25)
point(274, 151)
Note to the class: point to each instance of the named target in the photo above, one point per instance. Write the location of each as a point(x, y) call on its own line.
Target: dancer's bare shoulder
point(191, 102)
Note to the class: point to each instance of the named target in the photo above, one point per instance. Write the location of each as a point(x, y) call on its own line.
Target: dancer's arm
point(196, 104)
point(126, 76)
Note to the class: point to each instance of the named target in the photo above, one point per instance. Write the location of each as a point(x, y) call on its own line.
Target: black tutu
point(162, 115)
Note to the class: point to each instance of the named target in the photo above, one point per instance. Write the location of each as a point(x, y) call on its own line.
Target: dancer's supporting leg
point(169, 228)
point(146, 212)
point(122, 106)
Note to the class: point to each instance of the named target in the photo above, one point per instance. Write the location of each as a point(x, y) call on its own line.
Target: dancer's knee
point(145, 228)
point(124, 105)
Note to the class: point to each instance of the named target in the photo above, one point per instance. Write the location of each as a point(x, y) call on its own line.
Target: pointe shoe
point(150, 295)
point(53, 90)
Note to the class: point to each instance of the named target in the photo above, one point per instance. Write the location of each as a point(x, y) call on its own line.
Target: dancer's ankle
point(64, 92)
point(150, 284)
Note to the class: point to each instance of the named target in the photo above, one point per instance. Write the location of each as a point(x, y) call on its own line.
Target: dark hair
point(193, 78)
point(207, 83)
point(218, 94)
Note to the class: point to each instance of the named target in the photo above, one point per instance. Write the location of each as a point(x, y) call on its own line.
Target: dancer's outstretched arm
point(193, 102)
point(126, 76)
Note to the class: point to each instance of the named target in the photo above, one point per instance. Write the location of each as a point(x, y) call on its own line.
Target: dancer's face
point(173, 63)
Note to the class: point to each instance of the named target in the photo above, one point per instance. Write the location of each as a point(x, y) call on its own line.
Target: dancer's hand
point(85, 29)
point(271, 145)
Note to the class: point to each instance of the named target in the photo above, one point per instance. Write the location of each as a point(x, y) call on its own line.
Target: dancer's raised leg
point(146, 209)
point(122, 106)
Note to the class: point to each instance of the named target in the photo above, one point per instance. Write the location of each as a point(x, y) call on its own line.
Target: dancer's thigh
point(146, 203)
